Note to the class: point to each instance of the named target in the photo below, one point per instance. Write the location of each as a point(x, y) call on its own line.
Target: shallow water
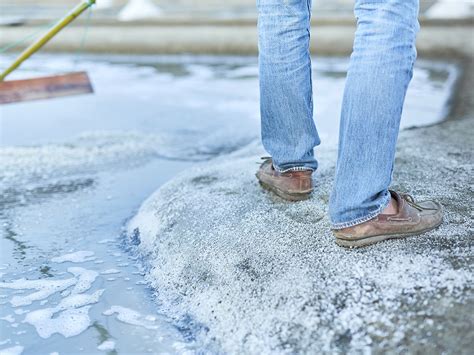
point(75, 169)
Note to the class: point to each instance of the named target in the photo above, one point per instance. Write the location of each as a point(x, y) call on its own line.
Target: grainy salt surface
point(265, 276)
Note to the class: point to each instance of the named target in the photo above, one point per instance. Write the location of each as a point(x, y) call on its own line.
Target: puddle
point(73, 170)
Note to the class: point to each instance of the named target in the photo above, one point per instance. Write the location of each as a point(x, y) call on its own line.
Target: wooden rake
point(48, 86)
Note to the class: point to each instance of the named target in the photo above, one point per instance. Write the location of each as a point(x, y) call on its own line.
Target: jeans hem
point(294, 168)
point(361, 220)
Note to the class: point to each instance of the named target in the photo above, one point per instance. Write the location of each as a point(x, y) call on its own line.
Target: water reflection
point(16, 196)
point(19, 247)
point(103, 337)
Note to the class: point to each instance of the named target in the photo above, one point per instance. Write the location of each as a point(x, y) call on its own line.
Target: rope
point(42, 28)
point(80, 50)
point(26, 38)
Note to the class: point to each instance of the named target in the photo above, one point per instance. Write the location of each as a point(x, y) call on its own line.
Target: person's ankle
point(392, 207)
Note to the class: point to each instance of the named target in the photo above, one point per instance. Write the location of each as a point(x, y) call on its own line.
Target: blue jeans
point(380, 70)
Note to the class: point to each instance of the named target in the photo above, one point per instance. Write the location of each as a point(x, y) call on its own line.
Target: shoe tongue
point(398, 200)
point(401, 210)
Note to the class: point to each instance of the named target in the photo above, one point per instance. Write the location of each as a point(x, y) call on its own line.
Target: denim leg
point(286, 102)
point(380, 70)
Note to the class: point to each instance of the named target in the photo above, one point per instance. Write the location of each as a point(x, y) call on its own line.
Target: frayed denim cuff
point(294, 168)
point(366, 218)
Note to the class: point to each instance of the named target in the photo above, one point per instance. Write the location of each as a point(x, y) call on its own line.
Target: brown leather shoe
point(291, 185)
point(412, 219)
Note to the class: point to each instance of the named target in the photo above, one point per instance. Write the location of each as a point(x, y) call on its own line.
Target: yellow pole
point(34, 47)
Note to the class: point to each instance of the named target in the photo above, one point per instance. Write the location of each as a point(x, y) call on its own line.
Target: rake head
point(45, 87)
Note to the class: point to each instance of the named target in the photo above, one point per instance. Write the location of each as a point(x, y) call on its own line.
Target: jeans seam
point(361, 220)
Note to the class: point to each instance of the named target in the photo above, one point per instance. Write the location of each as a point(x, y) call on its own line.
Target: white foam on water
point(130, 316)
point(14, 350)
point(69, 318)
point(107, 345)
point(76, 257)
point(85, 279)
point(82, 281)
point(70, 322)
point(44, 289)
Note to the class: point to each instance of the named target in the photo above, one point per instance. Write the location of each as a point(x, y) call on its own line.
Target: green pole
point(34, 47)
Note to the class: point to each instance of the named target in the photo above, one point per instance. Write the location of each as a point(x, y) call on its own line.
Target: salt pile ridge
point(265, 276)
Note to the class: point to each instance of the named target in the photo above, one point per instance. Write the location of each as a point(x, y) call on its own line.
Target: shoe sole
point(380, 238)
point(294, 197)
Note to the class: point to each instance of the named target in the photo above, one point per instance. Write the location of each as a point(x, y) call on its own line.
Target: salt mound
point(265, 276)
point(138, 10)
point(444, 9)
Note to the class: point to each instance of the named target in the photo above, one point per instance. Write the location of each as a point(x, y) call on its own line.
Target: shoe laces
point(411, 201)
